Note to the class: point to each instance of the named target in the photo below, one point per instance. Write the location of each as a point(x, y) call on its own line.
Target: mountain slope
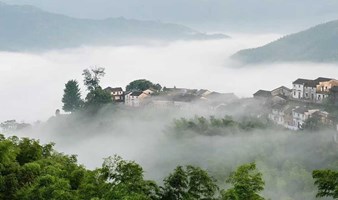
point(24, 28)
point(317, 44)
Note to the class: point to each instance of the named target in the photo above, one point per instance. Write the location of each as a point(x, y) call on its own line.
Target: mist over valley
point(142, 108)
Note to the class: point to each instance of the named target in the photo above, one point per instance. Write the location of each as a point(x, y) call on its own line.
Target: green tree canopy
point(191, 183)
point(247, 182)
point(72, 97)
point(327, 183)
point(126, 180)
point(97, 98)
point(141, 85)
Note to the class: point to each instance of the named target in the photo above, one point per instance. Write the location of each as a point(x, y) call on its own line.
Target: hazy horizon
point(209, 16)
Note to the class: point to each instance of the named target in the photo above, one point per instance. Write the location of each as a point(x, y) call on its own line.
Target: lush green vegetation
point(218, 126)
point(327, 182)
point(143, 84)
point(30, 171)
point(72, 97)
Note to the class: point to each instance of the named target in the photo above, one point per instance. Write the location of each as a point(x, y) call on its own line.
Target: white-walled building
point(135, 99)
point(298, 88)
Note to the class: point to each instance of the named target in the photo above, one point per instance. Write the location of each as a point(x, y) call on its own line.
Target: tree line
point(31, 171)
point(96, 97)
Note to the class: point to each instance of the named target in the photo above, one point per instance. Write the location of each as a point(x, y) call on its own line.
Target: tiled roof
point(117, 89)
point(263, 93)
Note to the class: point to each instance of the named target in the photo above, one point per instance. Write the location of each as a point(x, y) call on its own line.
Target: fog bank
point(32, 84)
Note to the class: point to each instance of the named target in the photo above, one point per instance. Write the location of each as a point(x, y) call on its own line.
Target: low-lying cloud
point(31, 85)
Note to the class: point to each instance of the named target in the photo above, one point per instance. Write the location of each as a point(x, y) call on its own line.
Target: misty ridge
point(191, 118)
point(316, 44)
point(27, 28)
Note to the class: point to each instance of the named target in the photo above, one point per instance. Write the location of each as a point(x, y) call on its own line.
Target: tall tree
point(92, 77)
point(72, 97)
point(97, 98)
point(247, 182)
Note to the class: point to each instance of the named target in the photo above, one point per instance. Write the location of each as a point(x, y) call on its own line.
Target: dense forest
point(29, 170)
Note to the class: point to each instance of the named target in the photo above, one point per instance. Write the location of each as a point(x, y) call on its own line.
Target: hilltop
point(317, 44)
point(27, 28)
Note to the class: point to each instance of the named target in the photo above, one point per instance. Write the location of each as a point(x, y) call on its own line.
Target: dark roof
point(301, 110)
point(282, 87)
point(117, 89)
point(311, 84)
point(322, 79)
point(136, 93)
point(301, 81)
point(262, 93)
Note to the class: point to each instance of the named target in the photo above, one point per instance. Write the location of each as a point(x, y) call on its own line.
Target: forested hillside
point(317, 44)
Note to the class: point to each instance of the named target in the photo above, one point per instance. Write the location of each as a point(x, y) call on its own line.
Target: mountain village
point(290, 108)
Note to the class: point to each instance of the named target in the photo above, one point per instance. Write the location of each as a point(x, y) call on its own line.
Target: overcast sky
point(208, 15)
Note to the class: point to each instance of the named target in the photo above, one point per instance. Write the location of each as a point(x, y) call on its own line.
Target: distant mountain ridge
point(26, 28)
point(316, 44)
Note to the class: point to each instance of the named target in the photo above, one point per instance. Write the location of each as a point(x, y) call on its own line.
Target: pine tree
point(72, 97)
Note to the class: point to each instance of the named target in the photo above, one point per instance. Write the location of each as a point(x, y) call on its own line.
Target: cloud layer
point(32, 84)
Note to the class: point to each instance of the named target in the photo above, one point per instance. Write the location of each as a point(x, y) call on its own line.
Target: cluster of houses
point(292, 107)
point(168, 97)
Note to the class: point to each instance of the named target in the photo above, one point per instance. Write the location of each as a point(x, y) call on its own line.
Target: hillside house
point(282, 91)
point(136, 98)
point(298, 88)
point(262, 95)
point(116, 93)
point(323, 89)
point(312, 90)
point(282, 115)
point(277, 114)
point(300, 115)
point(324, 117)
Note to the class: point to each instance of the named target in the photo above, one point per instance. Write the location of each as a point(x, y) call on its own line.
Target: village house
point(116, 93)
point(282, 91)
point(298, 88)
point(136, 98)
point(277, 114)
point(323, 89)
point(312, 90)
point(300, 115)
point(262, 94)
point(282, 115)
point(324, 117)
